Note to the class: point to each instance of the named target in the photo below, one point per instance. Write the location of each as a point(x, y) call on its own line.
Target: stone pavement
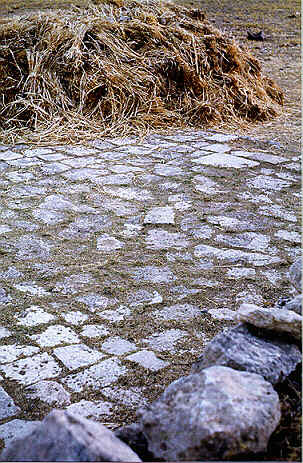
point(121, 259)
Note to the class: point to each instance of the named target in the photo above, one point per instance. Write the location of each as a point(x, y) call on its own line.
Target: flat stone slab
point(7, 405)
point(79, 355)
point(12, 352)
point(55, 335)
point(91, 410)
point(262, 182)
point(161, 239)
point(33, 316)
point(147, 359)
point(107, 243)
point(235, 255)
point(165, 341)
point(179, 312)
point(118, 346)
point(160, 215)
point(50, 392)
point(31, 369)
point(96, 377)
point(153, 274)
point(225, 160)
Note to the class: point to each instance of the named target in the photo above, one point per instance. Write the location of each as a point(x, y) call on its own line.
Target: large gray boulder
point(62, 436)
point(273, 319)
point(219, 413)
point(294, 304)
point(242, 350)
point(295, 274)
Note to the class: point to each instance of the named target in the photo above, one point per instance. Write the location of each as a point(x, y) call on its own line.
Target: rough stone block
point(63, 436)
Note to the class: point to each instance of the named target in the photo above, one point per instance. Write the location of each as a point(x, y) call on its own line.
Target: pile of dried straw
point(122, 67)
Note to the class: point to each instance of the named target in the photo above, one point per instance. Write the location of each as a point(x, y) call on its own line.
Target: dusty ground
point(279, 53)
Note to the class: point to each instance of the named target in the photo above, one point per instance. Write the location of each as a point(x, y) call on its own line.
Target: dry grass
point(125, 67)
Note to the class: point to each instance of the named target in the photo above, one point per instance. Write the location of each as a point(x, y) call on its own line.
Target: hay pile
point(125, 67)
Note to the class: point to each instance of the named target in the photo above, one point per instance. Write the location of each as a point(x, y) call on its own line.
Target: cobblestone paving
point(121, 259)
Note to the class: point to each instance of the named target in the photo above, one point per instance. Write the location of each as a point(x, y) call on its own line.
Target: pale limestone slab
point(116, 315)
point(293, 237)
point(32, 369)
point(7, 405)
point(235, 255)
point(179, 312)
point(143, 297)
point(94, 331)
point(94, 301)
point(50, 392)
point(107, 243)
point(19, 176)
point(130, 230)
point(222, 313)
point(165, 341)
point(75, 318)
point(96, 377)
point(263, 182)
point(91, 410)
point(225, 160)
point(32, 289)
point(76, 356)
point(228, 223)
point(278, 211)
point(160, 215)
point(33, 316)
point(161, 239)
point(241, 272)
point(123, 169)
point(9, 155)
point(222, 137)
point(12, 352)
point(4, 332)
point(37, 152)
point(248, 240)
point(83, 174)
point(261, 156)
point(116, 179)
point(153, 274)
point(118, 346)
point(51, 157)
point(55, 335)
point(148, 360)
point(168, 171)
point(129, 193)
point(217, 147)
point(131, 397)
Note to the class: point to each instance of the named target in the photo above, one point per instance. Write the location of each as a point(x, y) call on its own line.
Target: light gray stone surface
point(188, 226)
point(7, 405)
point(227, 413)
point(49, 392)
point(281, 321)
point(295, 274)
point(295, 304)
point(80, 440)
point(240, 349)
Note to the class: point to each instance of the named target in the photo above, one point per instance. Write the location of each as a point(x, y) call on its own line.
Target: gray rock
point(295, 304)
point(281, 321)
point(63, 436)
point(133, 436)
point(240, 349)
point(219, 413)
point(295, 274)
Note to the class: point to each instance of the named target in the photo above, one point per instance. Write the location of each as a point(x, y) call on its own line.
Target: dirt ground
point(279, 53)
